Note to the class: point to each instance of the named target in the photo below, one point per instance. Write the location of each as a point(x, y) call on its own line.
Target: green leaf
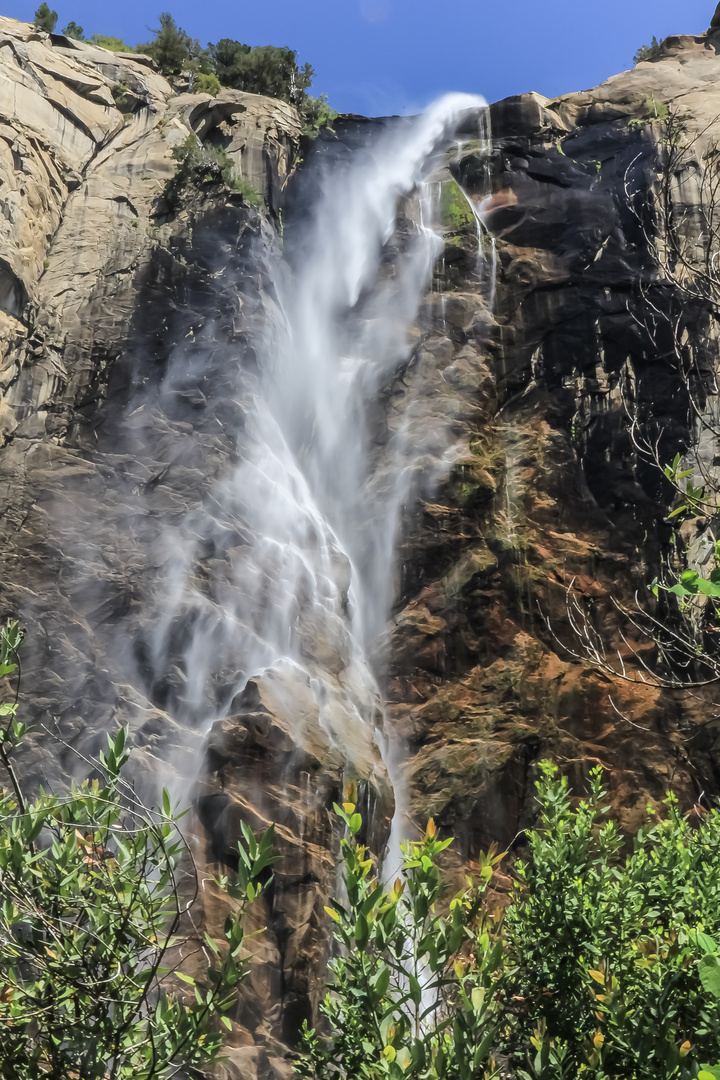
point(705, 942)
point(415, 990)
point(709, 970)
point(361, 932)
point(382, 981)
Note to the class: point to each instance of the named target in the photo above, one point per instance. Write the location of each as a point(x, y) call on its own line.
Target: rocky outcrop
point(86, 146)
point(120, 409)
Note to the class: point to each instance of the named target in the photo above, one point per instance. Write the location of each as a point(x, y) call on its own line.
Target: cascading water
point(306, 523)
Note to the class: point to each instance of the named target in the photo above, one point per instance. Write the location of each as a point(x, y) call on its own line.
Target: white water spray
point(307, 523)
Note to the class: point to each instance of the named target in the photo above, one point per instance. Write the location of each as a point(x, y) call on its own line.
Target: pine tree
point(72, 30)
point(45, 19)
point(172, 48)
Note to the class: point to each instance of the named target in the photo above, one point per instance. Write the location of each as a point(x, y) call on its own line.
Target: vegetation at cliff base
point(602, 960)
point(96, 895)
point(592, 956)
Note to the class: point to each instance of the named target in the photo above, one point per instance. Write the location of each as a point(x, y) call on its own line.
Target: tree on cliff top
point(650, 52)
point(265, 69)
point(172, 49)
point(72, 30)
point(45, 19)
point(96, 898)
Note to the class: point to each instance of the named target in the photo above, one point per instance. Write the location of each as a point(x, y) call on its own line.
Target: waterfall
point(302, 530)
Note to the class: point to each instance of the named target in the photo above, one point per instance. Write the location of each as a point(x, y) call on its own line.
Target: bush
point(606, 965)
point(199, 164)
point(650, 52)
point(207, 84)
point(94, 891)
point(613, 954)
point(123, 97)
point(45, 19)
point(407, 1000)
point(114, 44)
point(72, 30)
point(316, 114)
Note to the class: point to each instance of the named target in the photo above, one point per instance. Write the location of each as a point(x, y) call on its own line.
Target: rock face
point(119, 411)
point(552, 494)
point(86, 146)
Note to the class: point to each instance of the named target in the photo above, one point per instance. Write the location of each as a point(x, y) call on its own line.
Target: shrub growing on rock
point(200, 164)
point(207, 84)
point(650, 52)
point(113, 44)
point(316, 114)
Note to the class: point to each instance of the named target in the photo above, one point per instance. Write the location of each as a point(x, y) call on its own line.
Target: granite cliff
point(525, 353)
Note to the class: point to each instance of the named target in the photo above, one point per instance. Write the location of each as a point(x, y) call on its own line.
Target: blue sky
point(394, 56)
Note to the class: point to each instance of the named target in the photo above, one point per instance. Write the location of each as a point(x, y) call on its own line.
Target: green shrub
point(316, 114)
point(123, 98)
point(114, 44)
point(656, 109)
point(207, 84)
point(614, 954)
point(399, 959)
point(251, 195)
point(200, 164)
point(606, 964)
point(650, 52)
point(94, 894)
